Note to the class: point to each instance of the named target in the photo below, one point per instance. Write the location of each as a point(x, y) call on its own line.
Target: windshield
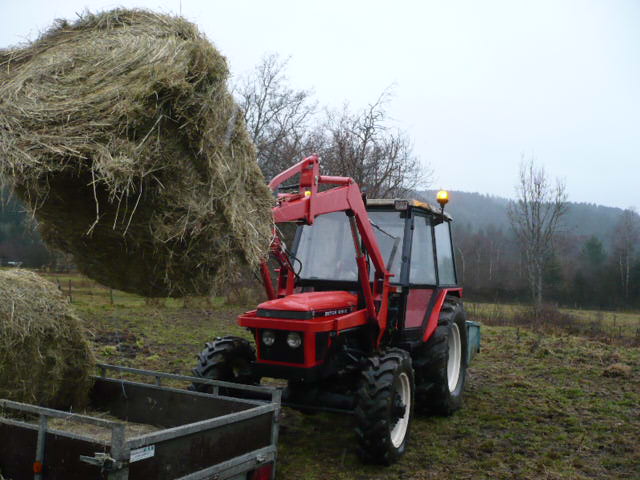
point(326, 248)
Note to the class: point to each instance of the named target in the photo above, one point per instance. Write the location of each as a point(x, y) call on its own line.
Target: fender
point(440, 297)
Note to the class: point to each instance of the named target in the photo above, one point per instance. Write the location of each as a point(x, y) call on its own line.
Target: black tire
point(229, 359)
point(380, 408)
point(434, 395)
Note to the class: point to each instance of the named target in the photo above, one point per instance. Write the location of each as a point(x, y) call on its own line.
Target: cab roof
point(404, 203)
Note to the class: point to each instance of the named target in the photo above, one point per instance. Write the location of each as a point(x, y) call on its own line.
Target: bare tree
point(626, 238)
point(277, 116)
point(362, 146)
point(535, 218)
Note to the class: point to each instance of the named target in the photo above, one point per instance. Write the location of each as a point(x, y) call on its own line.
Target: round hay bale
point(119, 133)
point(44, 355)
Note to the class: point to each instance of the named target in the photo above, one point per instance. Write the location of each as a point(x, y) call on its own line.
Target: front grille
point(280, 351)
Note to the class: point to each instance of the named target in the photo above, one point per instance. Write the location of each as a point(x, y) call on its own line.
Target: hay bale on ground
point(119, 132)
point(44, 355)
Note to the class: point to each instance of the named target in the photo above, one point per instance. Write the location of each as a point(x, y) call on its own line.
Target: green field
point(612, 326)
point(538, 405)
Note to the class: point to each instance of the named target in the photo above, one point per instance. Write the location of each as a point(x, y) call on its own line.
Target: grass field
point(613, 326)
point(538, 406)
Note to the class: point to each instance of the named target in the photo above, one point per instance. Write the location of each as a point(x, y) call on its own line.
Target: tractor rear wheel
point(228, 359)
point(441, 363)
point(384, 407)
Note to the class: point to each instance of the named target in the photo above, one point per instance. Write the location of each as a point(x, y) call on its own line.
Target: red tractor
point(365, 316)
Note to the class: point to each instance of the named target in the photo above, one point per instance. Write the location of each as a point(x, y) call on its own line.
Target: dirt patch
point(122, 343)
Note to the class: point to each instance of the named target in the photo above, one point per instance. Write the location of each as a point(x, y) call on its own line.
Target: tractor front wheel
point(229, 359)
point(384, 407)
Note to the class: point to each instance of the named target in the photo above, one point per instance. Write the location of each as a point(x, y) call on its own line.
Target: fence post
point(70, 297)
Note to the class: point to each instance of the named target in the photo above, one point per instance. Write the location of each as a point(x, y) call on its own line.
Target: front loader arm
point(305, 205)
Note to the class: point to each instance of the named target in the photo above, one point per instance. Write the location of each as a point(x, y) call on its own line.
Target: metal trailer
point(203, 436)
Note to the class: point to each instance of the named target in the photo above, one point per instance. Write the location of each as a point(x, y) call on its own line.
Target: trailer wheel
point(384, 407)
point(228, 359)
point(441, 363)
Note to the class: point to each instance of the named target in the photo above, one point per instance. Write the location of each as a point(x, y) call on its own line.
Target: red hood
point(312, 302)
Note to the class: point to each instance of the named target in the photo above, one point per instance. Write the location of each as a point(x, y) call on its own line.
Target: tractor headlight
point(268, 338)
point(294, 340)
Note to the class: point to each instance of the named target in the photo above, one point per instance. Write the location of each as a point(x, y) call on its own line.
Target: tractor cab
point(415, 242)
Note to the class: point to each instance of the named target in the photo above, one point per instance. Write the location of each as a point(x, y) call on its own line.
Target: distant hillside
point(475, 211)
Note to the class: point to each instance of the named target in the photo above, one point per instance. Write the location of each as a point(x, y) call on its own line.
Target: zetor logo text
point(329, 313)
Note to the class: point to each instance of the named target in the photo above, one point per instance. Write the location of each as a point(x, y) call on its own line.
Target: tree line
point(575, 271)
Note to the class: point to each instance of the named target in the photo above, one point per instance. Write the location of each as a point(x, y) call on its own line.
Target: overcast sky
point(477, 84)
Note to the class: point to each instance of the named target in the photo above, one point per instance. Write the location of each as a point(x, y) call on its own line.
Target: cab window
point(446, 270)
point(326, 249)
point(422, 270)
point(388, 227)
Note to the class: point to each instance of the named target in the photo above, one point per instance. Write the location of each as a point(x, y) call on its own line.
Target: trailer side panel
point(160, 406)
point(17, 454)
point(183, 455)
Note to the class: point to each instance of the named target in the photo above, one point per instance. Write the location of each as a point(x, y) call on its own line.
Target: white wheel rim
point(455, 358)
point(400, 429)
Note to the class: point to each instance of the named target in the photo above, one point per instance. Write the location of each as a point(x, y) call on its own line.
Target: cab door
point(422, 276)
point(431, 275)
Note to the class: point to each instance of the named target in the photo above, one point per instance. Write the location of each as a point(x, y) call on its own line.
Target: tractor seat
point(305, 306)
